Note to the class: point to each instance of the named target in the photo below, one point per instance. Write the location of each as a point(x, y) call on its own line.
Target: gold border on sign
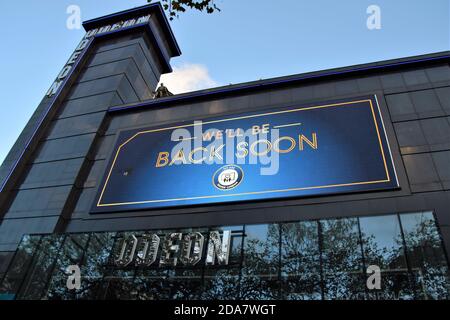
point(99, 204)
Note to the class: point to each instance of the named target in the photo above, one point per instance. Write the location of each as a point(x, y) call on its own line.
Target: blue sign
point(317, 149)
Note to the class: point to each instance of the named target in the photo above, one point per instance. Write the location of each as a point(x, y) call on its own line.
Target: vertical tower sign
point(84, 43)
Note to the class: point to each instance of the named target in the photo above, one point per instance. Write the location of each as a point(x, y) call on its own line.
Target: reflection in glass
point(237, 234)
point(151, 284)
point(426, 255)
point(383, 247)
point(71, 254)
point(323, 259)
point(120, 281)
point(19, 266)
point(40, 271)
point(300, 261)
point(222, 282)
point(184, 284)
point(260, 270)
point(94, 265)
point(341, 258)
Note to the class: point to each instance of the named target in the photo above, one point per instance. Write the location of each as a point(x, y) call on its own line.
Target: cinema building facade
point(140, 195)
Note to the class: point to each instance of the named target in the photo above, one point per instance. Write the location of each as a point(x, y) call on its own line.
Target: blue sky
point(247, 40)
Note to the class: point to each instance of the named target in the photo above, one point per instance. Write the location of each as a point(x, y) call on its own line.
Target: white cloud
point(188, 77)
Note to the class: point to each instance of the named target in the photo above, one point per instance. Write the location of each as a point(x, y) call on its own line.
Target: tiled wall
point(120, 70)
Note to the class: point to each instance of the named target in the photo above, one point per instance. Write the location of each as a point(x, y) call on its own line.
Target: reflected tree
point(260, 271)
point(427, 258)
point(381, 248)
point(300, 261)
point(341, 254)
point(323, 259)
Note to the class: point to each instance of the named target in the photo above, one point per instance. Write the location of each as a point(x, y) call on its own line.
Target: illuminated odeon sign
point(176, 249)
point(84, 43)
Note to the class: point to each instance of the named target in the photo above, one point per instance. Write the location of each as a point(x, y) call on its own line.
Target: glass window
point(71, 254)
point(95, 265)
point(222, 281)
point(383, 247)
point(184, 284)
point(19, 266)
point(342, 259)
point(151, 284)
point(426, 255)
point(324, 259)
point(120, 287)
point(260, 271)
point(119, 281)
point(41, 268)
point(300, 261)
point(221, 284)
point(237, 235)
point(180, 281)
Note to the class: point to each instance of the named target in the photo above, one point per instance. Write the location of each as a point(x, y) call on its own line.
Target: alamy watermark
point(374, 19)
point(374, 280)
point(74, 279)
point(73, 21)
point(259, 145)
